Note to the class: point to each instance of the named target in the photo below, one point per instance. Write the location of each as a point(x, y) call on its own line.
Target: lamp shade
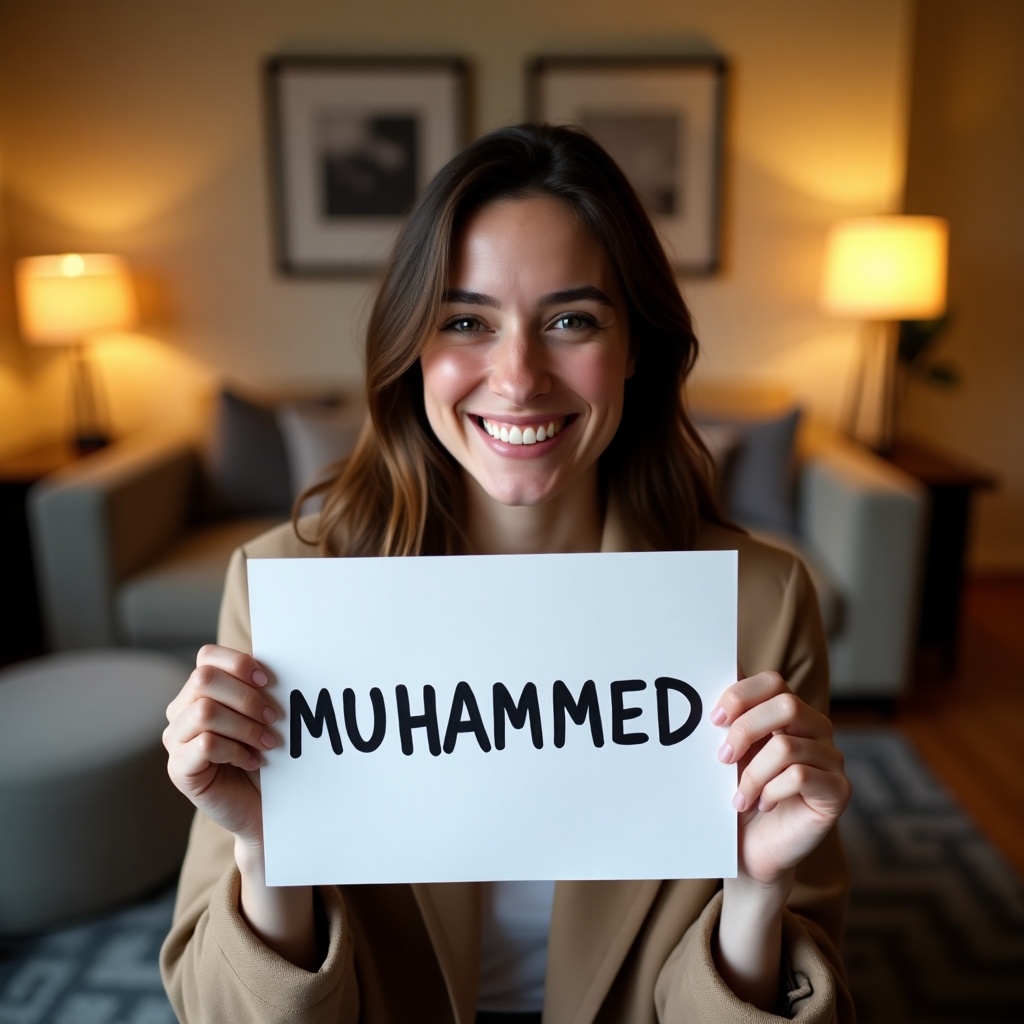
point(886, 268)
point(63, 299)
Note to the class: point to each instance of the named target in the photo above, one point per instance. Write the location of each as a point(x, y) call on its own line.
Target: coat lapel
point(593, 926)
point(451, 912)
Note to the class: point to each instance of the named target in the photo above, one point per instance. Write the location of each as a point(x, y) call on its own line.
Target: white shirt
point(515, 918)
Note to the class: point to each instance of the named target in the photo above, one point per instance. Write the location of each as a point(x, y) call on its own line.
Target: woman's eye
point(573, 322)
point(463, 324)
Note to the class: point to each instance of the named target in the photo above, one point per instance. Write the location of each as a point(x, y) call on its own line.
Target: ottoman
point(88, 816)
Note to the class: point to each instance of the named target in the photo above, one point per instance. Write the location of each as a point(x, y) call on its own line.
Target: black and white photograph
point(352, 141)
point(661, 119)
point(648, 146)
point(368, 164)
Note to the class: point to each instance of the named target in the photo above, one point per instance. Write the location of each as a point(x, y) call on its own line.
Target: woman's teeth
point(523, 435)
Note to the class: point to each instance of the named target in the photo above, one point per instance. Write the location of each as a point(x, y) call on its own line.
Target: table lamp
point(881, 270)
point(66, 300)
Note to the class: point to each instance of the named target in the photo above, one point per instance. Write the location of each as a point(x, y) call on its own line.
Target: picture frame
point(662, 120)
point(352, 143)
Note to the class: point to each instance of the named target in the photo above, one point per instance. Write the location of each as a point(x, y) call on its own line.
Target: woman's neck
point(571, 522)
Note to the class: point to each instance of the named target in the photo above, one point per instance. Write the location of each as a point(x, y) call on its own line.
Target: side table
point(21, 625)
point(951, 485)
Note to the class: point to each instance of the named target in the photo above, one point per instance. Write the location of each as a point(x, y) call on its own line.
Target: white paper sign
point(553, 711)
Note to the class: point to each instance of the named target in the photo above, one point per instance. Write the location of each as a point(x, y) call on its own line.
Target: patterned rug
point(935, 932)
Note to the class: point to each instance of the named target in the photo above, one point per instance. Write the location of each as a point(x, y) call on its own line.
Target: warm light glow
point(72, 265)
point(886, 268)
point(64, 299)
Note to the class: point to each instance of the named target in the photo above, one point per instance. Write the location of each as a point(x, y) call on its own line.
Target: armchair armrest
point(97, 521)
point(863, 520)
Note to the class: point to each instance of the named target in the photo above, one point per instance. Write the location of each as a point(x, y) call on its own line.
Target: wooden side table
point(951, 485)
point(21, 624)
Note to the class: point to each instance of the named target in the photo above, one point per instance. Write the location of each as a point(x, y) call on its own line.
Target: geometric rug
point(102, 971)
point(935, 932)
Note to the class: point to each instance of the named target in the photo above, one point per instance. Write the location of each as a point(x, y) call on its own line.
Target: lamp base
point(86, 443)
point(869, 413)
point(87, 405)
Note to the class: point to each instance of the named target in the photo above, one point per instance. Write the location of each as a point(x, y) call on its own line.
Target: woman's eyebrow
point(587, 291)
point(459, 295)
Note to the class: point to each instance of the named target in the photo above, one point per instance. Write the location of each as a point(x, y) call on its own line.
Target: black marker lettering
point(465, 700)
point(324, 715)
point(562, 701)
point(428, 720)
point(667, 735)
point(622, 714)
point(504, 707)
point(348, 703)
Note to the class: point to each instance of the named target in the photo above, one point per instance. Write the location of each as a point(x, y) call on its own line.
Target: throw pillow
point(757, 483)
point(722, 443)
point(247, 468)
point(315, 437)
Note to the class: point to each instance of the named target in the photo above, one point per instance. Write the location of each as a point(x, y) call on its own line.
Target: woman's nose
point(519, 371)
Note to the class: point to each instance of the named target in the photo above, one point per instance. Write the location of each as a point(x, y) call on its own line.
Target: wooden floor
point(969, 725)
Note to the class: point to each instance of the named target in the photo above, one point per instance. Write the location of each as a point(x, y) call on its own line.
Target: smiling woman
point(526, 357)
point(523, 378)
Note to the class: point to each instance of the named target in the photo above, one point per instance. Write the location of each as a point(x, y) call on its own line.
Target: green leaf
point(942, 374)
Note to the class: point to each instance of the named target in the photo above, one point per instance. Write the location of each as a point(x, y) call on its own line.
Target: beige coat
point(633, 951)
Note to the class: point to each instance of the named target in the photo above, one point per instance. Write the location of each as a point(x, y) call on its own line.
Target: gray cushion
point(247, 467)
point(757, 484)
point(315, 437)
point(722, 441)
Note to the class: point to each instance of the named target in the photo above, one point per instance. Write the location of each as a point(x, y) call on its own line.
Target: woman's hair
point(401, 492)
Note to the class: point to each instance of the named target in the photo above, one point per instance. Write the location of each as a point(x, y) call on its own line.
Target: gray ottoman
point(88, 816)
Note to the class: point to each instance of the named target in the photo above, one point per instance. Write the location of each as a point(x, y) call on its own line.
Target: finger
point(206, 715)
point(237, 663)
point(777, 756)
point(217, 684)
point(815, 786)
point(784, 712)
point(748, 692)
point(192, 766)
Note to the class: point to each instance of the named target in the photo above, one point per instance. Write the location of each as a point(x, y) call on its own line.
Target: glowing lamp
point(66, 300)
point(885, 269)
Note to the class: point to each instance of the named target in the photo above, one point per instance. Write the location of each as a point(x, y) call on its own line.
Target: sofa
point(131, 544)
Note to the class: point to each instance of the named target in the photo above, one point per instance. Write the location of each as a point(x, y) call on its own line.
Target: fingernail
point(259, 677)
point(268, 739)
point(725, 753)
point(254, 761)
point(269, 714)
point(739, 801)
point(718, 716)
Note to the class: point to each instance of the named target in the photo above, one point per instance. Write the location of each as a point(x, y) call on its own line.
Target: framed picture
point(661, 119)
point(353, 141)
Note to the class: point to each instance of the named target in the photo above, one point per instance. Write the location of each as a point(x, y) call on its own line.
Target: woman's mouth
point(518, 433)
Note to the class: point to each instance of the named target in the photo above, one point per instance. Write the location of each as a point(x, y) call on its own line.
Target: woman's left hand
point(792, 788)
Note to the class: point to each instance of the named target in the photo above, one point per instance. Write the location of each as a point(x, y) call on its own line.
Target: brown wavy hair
point(401, 492)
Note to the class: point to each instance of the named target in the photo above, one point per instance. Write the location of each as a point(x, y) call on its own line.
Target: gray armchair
point(123, 557)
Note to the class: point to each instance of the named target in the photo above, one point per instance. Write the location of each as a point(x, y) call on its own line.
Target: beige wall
point(966, 162)
point(137, 128)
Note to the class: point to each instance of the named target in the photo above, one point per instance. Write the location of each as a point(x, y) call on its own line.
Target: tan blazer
point(633, 951)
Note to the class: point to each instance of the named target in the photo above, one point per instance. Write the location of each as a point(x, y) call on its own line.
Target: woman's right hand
point(218, 727)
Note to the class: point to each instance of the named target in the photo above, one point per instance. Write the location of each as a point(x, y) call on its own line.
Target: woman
point(525, 360)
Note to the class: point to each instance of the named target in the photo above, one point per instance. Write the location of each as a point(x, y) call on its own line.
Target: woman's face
point(523, 375)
